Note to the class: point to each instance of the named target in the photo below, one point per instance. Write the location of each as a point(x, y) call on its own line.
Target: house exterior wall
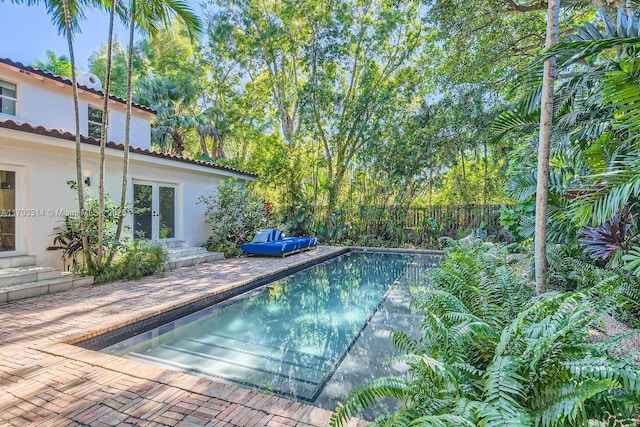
point(48, 103)
point(140, 129)
point(46, 164)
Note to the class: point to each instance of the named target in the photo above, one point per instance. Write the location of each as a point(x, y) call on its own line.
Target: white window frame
point(98, 124)
point(15, 100)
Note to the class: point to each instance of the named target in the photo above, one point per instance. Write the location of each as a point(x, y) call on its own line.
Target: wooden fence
point(417, 226)
point(425, 225)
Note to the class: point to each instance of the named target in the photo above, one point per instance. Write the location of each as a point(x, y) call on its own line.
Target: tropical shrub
point(133, 261)
point(129, 261)
point(298, 219)
point(230, 250)
point(491, 354)
point(68, 237)
point(613, 241)
point(593, 159)
point(234, 213)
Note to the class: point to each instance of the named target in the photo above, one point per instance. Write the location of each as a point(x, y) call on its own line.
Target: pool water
point(287, 337)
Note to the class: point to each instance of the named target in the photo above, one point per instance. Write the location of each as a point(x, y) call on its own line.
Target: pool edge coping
point(249, 284)
point(191, 305)
point(68, 348)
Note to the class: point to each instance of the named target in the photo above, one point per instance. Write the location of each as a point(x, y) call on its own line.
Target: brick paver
point(46, 381)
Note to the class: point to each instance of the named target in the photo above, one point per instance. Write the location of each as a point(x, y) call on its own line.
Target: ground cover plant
point(494, 354)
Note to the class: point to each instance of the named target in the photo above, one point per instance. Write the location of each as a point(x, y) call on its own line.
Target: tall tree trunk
point(430, 187)
point(335, 185)
point(203, 142)
point(485, 164)
point(178, 143)
point(103, 138)
point(127, 135)
point(546, 118)
point(76, 110)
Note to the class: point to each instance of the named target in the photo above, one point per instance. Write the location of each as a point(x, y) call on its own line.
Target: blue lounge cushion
point(262, 236)
point(273, 242)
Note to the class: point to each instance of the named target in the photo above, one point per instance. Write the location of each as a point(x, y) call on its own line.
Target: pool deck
point(45, 381)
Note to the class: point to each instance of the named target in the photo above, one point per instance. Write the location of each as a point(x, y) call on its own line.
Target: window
point(8, 98)
point(95, 122)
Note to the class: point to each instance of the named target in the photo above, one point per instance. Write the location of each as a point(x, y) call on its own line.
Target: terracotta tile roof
point(56, 133)
point(67, 81)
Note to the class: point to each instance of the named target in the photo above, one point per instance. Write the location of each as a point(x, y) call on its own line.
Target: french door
point(154, 215)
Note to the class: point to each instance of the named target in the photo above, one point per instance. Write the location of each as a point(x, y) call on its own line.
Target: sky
point(26, 32)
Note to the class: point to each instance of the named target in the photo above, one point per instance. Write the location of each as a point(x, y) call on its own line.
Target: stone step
point(19, 291)
point(192, 260)
point(17, 261)
point(17, 275)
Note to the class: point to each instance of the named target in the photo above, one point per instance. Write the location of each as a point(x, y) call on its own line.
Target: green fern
point(625, 374)
point(363, 397)
point(530, 362)
point(504, 390)
point(564, 404)
point(442, 420)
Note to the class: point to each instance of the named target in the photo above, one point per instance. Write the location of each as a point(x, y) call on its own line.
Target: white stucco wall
point(48, 103)
point(140, 129)
point(48, 163)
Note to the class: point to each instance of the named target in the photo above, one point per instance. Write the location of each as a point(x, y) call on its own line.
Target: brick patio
point(45, 381)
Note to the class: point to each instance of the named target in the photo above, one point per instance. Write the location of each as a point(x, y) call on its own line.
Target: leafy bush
point(298, 219)
point(130, 261)
point(615, 242)
point(133, 262)
point(234, 213)
point(491, 354)
point(228, 249)
point(68, 237)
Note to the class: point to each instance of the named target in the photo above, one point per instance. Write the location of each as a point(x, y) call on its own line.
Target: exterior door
point(154, 216)
point(11, 212)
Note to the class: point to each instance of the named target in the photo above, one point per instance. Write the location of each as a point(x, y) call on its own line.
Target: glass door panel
point(167, 212)
point(154, 216)
point(143, 211)
point(7, 211)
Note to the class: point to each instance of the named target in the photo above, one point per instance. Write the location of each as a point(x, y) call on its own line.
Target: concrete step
point(17, 275)
point(79, 282)
point(185, 252)
point(9, 293)
point(189, 261)
point(170, 244)
point(17, 261)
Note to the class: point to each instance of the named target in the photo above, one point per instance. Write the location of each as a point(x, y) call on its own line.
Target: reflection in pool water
point(286, 337)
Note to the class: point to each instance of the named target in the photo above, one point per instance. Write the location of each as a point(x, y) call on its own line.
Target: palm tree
point(66, 14)
point(103, 138)
point(596, 127)
point(58, 65)
point(170, 100)
point(546, 117)
point(146, 15)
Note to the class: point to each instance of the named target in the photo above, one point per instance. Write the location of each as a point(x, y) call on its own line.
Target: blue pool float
point(272, 242)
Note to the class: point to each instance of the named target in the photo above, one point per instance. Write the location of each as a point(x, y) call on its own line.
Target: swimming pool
point(291, 336)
